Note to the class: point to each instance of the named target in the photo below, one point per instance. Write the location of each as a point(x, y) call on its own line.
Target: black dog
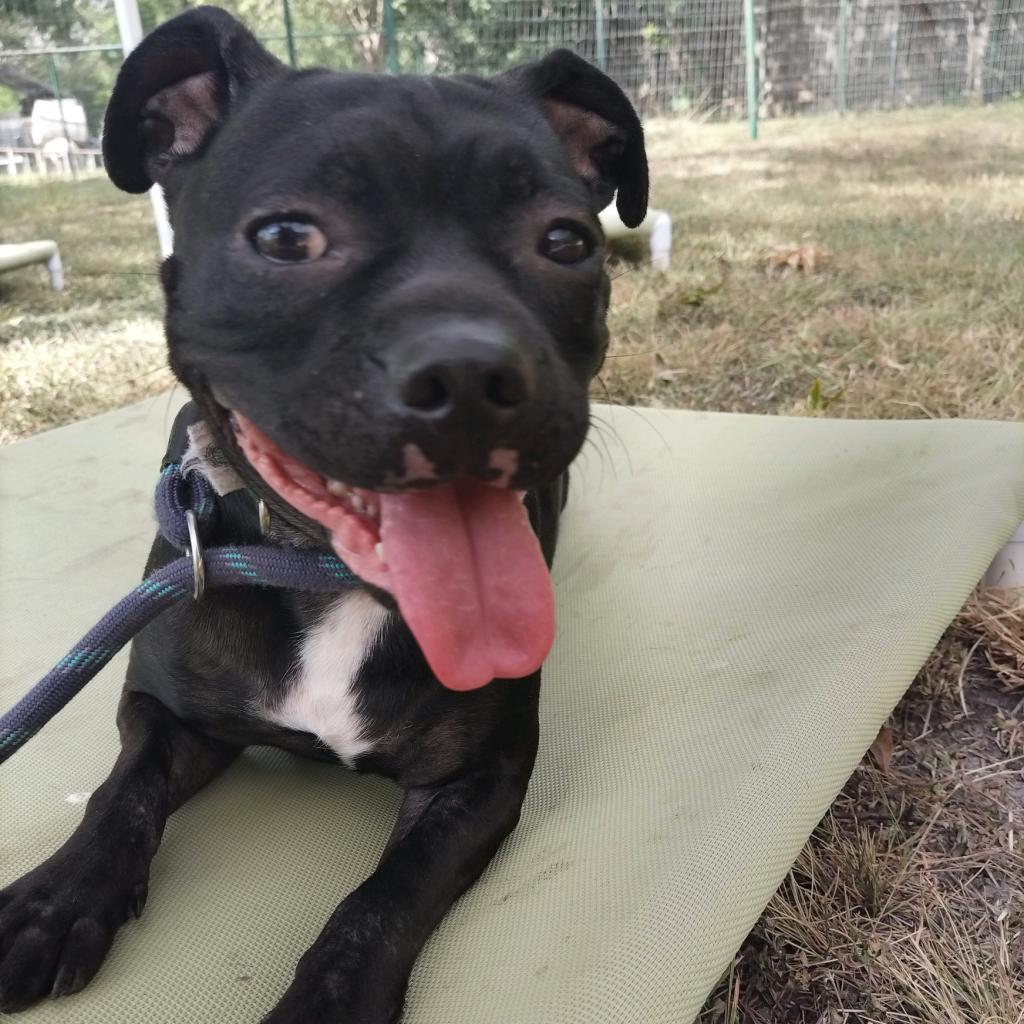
point(387, 300)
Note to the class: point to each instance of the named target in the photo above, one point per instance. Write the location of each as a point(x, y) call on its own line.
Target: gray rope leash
point(185, 506)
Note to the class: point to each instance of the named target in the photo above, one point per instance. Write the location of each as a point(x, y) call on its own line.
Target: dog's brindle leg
point(58, 922)
point(357, 970)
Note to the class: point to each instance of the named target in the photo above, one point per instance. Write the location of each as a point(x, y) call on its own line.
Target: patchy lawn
point(97, 345)
point(868, 267)
point(916, 221)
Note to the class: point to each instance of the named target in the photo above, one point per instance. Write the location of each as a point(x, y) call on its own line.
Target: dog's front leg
point(58, 921)
point(357, 970)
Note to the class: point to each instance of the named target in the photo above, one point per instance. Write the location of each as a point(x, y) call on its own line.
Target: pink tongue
point(470, 580)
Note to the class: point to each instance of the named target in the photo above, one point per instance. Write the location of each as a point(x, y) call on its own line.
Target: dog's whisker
point(167, 408)
point(606, 431)
point(599, 428)
point(591, 445)
point(139, 378)
point(648, 421)
point(594, 441)
point(636, 265)
point(117, 273)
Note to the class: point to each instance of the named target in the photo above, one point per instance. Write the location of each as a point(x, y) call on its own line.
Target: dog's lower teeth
point(378, 550)
point(337, 488)
point(357, 503)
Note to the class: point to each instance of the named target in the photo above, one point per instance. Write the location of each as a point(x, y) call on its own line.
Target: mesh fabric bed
point(742, 600)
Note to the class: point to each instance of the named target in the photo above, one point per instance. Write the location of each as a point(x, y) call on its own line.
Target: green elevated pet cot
point(742, 600)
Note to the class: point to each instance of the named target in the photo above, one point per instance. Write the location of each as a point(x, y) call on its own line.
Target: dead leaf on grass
point(662, 371)
point(891, 364)
point(806, 257)
point(881, 749)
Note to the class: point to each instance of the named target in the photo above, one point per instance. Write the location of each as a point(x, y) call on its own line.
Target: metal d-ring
point(196, 551)
point(264, 514)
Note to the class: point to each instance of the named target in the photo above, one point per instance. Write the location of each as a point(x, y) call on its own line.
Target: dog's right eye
point(565, 244)
point(289, 241)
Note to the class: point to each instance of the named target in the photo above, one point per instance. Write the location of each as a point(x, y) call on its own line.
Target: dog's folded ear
point(596, 122)
point(175, 89)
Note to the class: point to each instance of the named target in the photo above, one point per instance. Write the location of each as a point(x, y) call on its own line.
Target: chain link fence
point(671, 56)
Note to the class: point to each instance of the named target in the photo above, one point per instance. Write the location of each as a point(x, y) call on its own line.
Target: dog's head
point(388, 297)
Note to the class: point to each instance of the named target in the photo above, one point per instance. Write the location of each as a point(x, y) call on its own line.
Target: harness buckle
point(196, 552)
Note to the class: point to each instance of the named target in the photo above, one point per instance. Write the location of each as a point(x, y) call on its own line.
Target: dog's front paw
point(57, 924)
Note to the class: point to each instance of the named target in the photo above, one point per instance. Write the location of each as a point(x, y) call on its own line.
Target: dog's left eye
point(564, 244)
point(289, 241)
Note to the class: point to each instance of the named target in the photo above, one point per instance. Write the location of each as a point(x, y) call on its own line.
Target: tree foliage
point(667, 54)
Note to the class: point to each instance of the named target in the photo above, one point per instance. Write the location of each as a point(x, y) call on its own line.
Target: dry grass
point(914, 308)
point(998, 622)
point(872, 267)
point(907, 904)
point(97, 345)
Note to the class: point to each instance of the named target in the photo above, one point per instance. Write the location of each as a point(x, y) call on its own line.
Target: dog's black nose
point(462, 369)
point(445, 383)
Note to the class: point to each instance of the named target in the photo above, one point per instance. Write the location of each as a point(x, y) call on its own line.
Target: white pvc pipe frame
point(1007, 569)
point(656, 226)
point(129, 26)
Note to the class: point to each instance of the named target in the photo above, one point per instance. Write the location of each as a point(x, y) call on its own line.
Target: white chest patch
point(320, 697)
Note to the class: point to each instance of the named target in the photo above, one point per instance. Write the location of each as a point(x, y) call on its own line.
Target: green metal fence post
point(391, 38)
point(289, 32)
point(894, 53)
point(600, 36)
point(988, 80)
point(749, 29)
point(844, 18)
point(55, 82)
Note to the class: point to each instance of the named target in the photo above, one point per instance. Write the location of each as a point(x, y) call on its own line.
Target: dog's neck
point(205, 456)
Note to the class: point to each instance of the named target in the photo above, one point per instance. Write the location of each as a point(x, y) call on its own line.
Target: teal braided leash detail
point(250, 565)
